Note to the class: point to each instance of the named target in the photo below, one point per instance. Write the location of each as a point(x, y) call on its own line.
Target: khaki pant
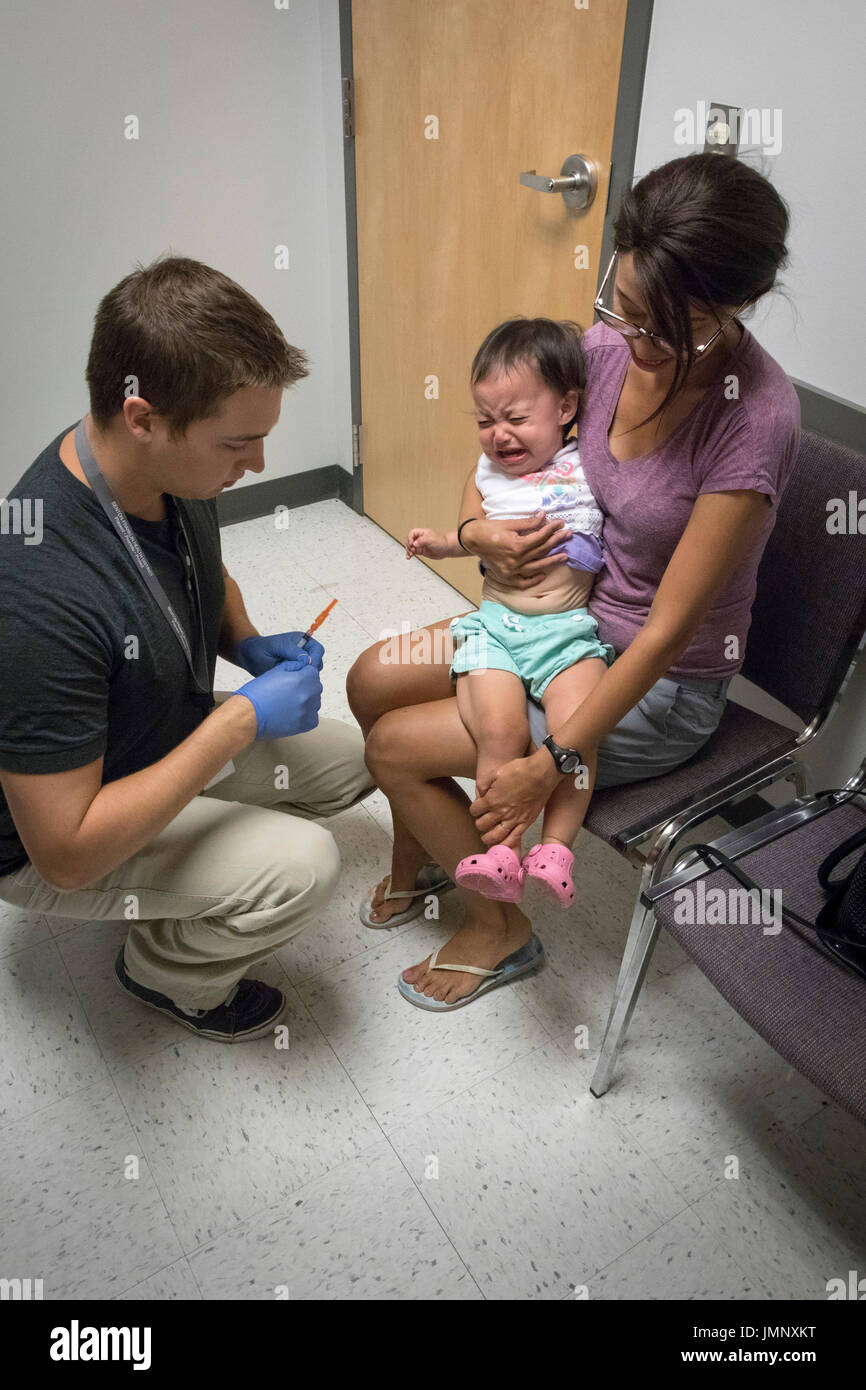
point(237, 873)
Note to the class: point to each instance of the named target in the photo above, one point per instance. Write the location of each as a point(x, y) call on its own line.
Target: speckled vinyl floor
point(390, 1153)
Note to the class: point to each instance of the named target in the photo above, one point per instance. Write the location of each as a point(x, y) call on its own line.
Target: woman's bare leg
point(377, 684)
point(413, 753)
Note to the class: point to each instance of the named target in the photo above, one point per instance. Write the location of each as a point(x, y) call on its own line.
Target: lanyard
point(119, 520)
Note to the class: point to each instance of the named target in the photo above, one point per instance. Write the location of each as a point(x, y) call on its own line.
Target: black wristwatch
point(567, 760)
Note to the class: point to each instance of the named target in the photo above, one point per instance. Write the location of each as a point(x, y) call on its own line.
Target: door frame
point(635, 47)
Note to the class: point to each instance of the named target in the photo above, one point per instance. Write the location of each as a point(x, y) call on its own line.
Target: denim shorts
point(670, 723)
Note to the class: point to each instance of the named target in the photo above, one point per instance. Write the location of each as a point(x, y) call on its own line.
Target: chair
point(808, 621)
point(801, 1000)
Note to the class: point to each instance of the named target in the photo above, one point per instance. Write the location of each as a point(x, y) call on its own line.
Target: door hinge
point(348, 109)
point(357, 461)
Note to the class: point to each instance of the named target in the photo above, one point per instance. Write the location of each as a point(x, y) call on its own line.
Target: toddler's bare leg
point(492, 705)
point(567, 807)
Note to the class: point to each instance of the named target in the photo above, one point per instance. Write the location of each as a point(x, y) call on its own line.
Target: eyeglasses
point(631, 330)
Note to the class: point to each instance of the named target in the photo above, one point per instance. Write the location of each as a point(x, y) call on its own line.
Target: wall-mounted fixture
point(722, 135)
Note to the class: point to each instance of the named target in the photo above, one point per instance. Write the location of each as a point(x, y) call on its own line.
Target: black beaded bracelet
point(460, 528)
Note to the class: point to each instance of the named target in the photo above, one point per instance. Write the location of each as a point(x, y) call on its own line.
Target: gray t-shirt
point(73, 686)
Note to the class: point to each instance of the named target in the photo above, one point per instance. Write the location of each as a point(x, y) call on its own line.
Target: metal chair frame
point(651, 844)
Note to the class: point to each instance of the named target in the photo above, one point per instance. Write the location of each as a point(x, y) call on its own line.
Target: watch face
point(566, 759)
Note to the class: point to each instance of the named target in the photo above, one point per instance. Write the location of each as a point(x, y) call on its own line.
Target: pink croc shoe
point(494, 874)
point(550, 867)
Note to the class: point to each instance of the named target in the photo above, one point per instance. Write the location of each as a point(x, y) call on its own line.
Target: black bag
point(841, 924)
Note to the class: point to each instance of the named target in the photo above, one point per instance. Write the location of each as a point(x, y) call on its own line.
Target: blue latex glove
point(259, 654)
point(286, 698)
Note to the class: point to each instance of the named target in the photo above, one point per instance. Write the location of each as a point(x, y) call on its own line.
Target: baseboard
point(296, 490)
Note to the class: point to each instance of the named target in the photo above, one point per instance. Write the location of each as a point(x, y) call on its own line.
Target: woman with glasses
point(688, 431)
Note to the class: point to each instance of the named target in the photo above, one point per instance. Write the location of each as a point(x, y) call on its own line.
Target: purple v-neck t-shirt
point(727, 442)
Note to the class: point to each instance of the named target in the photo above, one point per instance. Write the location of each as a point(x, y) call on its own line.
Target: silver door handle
point(577, 181)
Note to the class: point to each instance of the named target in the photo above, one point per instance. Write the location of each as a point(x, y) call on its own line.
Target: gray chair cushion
point(741, 740)
point(809, 1008)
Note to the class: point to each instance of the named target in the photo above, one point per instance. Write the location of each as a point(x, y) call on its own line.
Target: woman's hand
point(518, 793)
point(516, 552)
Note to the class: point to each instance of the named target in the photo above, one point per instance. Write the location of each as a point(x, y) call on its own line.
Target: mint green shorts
point(535, 648)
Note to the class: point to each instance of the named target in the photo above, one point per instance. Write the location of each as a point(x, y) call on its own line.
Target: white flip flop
point(430, 879)
point(519, 963)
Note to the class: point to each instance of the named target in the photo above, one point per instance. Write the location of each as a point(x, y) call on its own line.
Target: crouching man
point(129, 790)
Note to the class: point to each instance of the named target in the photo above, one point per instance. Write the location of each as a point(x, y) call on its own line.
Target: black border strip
point(347, 69)
point(629, 99)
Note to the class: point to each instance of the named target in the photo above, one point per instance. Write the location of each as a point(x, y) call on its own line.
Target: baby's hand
point(422, 541)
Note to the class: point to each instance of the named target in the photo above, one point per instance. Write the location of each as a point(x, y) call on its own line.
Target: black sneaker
point(250, 1011)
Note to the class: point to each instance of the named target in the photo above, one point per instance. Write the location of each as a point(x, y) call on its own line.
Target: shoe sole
point(480, 883)
point(538, 891)
point(259, 1031)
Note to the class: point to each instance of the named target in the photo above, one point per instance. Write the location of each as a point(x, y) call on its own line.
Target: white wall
point(240, 150)
point(807, 61)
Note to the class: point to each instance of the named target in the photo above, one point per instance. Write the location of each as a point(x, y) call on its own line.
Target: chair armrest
point(748, 780)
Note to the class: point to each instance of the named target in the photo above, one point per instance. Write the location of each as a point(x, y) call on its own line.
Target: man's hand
point(260, 654)
point(286, 699)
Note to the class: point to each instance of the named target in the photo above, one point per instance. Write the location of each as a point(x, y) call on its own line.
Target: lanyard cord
point(120, 521)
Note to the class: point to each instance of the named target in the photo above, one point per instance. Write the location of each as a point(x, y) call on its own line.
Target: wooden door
point(453, 100)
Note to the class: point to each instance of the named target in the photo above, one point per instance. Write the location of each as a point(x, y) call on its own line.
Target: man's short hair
point(183, 336)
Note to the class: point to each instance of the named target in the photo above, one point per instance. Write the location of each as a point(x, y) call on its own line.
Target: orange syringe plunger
point(317, 622)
